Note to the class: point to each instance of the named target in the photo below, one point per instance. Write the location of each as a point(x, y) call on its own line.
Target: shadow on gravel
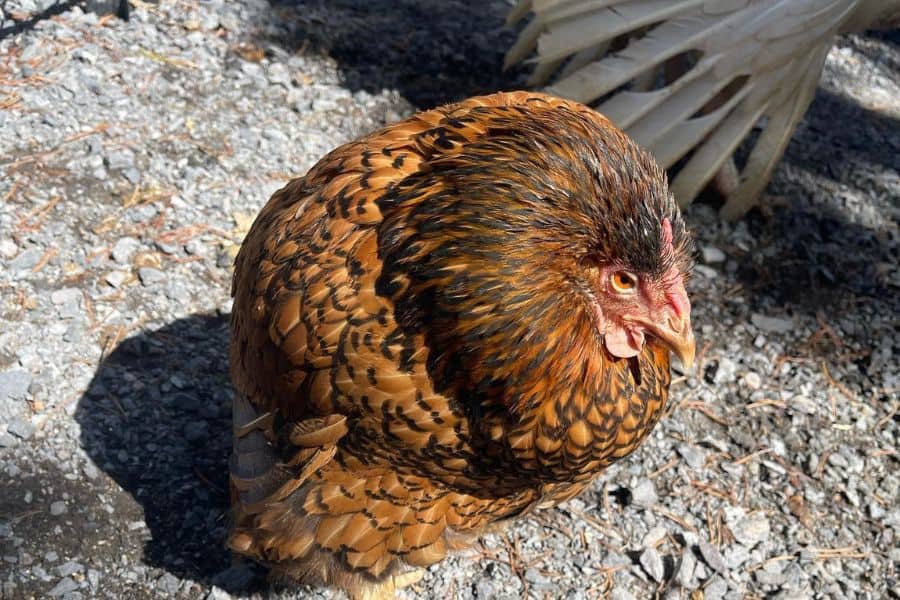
point(863, 136)
point(819, 257)
point(431, 51)
point(28, 22)
point(814, 254)
point(157, 419)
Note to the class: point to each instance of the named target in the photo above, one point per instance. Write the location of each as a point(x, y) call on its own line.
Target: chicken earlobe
point(623, 342)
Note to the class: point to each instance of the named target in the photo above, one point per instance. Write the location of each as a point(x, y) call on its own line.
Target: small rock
point(224, 260)
point(116, 278)
point(692, 455)
point(26, 260)
point(838, 459)
point(122, 158)
point(124, 249)
point(187, 402)
point(752, 529)
point(725, 371)
point(715, 589)
point(644, 494)
point(51, 556)
point(168, 583)
point(150, 276)
point(7, 440)
point(69, 568)
point(752, 380)
point(735, 556)
point(14, 384)
point(196, 431)
point(712, 255)
point(484, 588)
point(685, 574)
point(621, 594)
point(132, 175)
point(90, 470)
point(711, 556)
point(8, 248)
point(279, 74)
point(217, 593)
point(534, 576)
point(65, 586)
point(876, 511)
point(65, 296)
point(707, 272)
point(653, 564)
point(766, 578)
point(20, 428)
point(209, 21)
point(93, 578)
point(167, 248)
point(772, 324)
point(194, 248)
point(614, 560)
point(850, 491)
point(179, 293)
point(58, 508)
point(653, 537)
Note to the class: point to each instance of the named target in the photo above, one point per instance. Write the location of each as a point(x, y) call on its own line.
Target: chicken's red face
point(629, 304)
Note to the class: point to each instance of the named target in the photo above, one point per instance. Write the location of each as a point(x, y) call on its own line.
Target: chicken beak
point(679, 337)
point(673, 323)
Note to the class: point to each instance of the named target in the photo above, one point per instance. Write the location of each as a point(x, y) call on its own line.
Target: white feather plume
point(690, 79)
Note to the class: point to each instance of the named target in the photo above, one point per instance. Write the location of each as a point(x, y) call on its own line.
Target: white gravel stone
point(150, 276)
point(772, 324)
point(653, 564)
point(644, 494)
point(14, 384)
point(752, 380)
point(124, 249)
point(8, 248)
point(712, 255)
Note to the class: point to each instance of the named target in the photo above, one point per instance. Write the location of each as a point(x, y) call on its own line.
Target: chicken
point(690, 79)
point(443, 325)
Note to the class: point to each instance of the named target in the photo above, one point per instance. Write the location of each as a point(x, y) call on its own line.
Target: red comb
point(666, 232)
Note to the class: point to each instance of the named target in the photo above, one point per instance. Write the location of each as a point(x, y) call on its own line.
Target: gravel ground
point(133, 156)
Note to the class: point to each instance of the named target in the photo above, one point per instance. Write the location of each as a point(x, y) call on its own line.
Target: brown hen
point(445, 324)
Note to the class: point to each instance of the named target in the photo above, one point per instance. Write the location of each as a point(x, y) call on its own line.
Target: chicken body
point(418, 348)
point(689, 79)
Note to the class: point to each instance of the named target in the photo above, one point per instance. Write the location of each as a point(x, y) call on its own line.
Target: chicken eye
point(623, 282)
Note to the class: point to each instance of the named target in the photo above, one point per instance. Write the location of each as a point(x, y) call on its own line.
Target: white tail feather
point(661, 69)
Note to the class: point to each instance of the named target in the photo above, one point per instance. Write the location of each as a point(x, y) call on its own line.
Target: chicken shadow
point(817, 251)
point(157, 419)
point(431, 51)
point(821, 252)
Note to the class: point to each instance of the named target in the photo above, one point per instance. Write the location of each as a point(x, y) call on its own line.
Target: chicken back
point(444, 324)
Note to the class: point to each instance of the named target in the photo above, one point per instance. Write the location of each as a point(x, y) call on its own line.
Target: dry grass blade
point(847, 552)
